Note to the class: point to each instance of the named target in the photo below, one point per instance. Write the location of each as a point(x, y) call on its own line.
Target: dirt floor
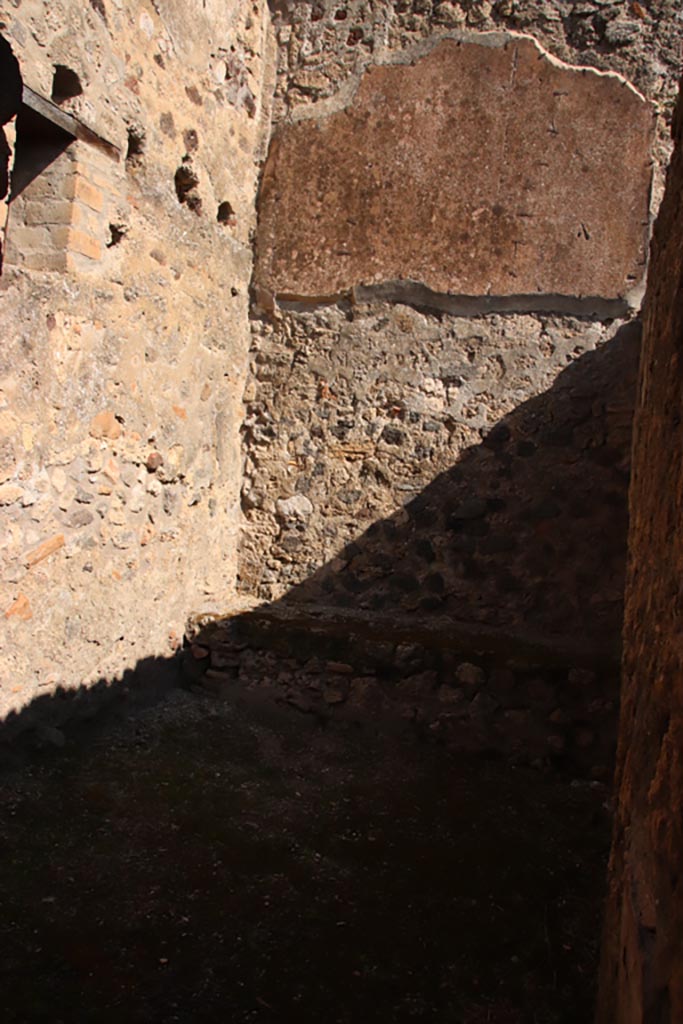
point(205, 860)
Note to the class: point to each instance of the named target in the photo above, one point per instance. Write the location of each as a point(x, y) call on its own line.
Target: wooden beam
point(68, 123)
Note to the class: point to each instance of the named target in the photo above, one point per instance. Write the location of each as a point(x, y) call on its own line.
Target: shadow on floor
point(205, 862)
point(172, 857)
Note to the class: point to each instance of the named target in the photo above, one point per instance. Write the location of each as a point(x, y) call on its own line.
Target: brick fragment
point(111, 470)
point(20, 609)
point(44, 550)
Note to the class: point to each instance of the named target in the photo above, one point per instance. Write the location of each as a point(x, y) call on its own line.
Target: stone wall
point(642, 977)
point(438, 420)
point(323, 42)
point(437, 459)
point(398, 461)
point(124, 310)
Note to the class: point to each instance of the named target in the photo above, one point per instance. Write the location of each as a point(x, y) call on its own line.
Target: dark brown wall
point(642, 976)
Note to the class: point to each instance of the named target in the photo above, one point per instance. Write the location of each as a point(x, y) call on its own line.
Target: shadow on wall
point(513, 559)
point(10, 102)
point(526, 532)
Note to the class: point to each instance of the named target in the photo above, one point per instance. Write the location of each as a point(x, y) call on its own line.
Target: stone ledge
point(360, 634)
point(471, 688)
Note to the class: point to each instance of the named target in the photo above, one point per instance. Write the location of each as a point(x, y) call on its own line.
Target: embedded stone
point(59, 480)
point(333, 695)
point(51, 735)
point(473, 508)
point(80, 519)
point(417, 687)
point(469, 675)
point(105, 425)
point(450, 695)
point(482, 705)
point(584, 738)
point(147, 534)
point(10, 493)
point(339, 667)
point(484, 168)
point(296, 507)
point(199, 652)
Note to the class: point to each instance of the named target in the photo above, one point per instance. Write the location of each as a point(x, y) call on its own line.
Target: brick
point(46, 261)
point(41, 189)
point(44, 550)
point(88, 194)
point(80, 242)
point(59, 235)
point(75, 263)
point(83, 218)
point(105, 183)
point(642, 953)
point(24, 238)
point(89, 160)
point(52, 211)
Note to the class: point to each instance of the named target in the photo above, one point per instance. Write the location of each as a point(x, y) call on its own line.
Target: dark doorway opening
point(39, 143)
